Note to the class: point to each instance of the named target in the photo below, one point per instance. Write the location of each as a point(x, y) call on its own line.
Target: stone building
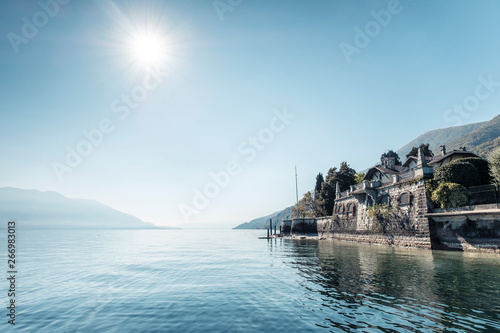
point(399, 186)
point(390, 205)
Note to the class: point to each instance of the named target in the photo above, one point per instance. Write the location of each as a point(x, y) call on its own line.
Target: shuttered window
point(404, 198)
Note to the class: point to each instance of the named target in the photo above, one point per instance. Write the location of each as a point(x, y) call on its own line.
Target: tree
point(319, 181)
point(327, 193)
point(463, 173)
point(449, 195)
point(482, 166)
point(359, 177)
point(390, 153)
point(308, 207)
point(345, 176)
point(494, 159)
point(425, 149)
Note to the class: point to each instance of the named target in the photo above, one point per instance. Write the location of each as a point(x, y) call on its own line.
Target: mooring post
point(267, 233)
point(275, 230)
point(271, 225)
point(280, 229)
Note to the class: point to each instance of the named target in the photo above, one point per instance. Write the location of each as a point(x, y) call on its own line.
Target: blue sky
point(222, 82)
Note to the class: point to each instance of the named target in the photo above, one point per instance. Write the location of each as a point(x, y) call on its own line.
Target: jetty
point(270, 231)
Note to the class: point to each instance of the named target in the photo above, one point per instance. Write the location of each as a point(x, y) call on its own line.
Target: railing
point(483, 194)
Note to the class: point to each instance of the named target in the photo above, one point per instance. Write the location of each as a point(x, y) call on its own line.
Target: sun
point(148, 49)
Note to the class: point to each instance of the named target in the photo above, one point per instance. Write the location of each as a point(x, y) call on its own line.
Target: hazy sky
point(141, 104)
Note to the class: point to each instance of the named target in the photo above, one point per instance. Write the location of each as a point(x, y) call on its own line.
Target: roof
point(463, 153)
point(405, 167)
point(414, 158)
point(385, 170)
point(408, 161)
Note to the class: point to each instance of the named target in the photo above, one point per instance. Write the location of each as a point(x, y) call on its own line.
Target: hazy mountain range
point(39, 209)
point(51, 210)
point(480, 138)
point(263, 222)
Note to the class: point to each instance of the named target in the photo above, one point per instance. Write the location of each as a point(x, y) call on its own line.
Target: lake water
point(230, 281)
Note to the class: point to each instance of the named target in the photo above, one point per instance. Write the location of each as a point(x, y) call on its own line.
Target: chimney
point(443, 149)
point(391, 163)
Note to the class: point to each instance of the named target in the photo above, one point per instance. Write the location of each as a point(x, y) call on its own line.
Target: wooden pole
point(280, 229)
point(271, 225)
point(275, 230)
point(267, 233)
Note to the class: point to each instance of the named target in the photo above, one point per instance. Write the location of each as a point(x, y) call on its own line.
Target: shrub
point(449, 195)
point(379, 211)
point(494, 158)
point(430, 186)
point(463, 173)
point(482, 166)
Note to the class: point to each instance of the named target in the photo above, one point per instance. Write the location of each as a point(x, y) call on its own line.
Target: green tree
point(388, 154)
point(319, 181)
point(425, 149)
point(327, 193)
point(482, 166)
point(308, 207)
point(345, 176)
point(463, 173)
point(449, 195)
point(359, 177)
point(494, 159)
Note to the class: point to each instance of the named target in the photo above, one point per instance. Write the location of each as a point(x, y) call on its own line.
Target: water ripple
point(188, 281)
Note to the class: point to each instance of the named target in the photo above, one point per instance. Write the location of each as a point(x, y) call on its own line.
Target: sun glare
point(148, 50)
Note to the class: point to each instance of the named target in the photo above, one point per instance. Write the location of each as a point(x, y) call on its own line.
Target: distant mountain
point(482, 140)
point(51, 210)
point(263, 222)
point(439, 137)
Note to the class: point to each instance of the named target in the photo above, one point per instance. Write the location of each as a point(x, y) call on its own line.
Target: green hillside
point(442, 136)
point(482, 140)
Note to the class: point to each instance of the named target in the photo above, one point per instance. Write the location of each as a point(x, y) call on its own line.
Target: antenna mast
point(296, 187)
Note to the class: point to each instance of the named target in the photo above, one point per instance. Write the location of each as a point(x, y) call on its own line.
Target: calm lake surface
point(230, 281)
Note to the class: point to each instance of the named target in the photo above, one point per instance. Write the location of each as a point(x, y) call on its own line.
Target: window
point(404, 199)
point(351, 209)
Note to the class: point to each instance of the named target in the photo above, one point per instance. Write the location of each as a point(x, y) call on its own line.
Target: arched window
point(404, 198)
point(341, 209)
point(351, 209)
